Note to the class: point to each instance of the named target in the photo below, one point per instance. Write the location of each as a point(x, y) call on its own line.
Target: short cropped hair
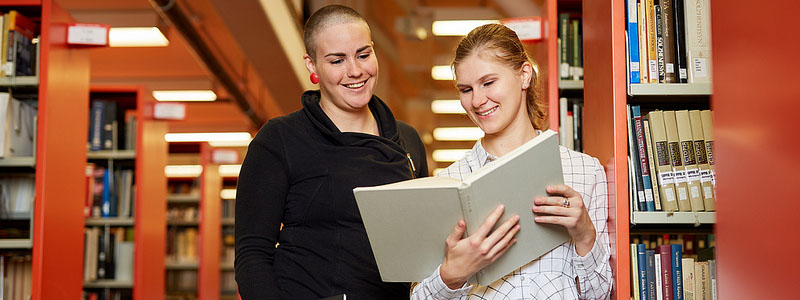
point(326, 16)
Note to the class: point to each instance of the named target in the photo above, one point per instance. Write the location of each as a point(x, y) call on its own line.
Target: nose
point(478, 98)
point(354, 69)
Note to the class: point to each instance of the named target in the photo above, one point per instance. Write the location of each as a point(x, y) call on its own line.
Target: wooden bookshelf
point(10, 162)
point(111, 154)
point(660, 217)
point(108, 284)
point(180, 198)
point(570, 84)
point(181, 265)
point(16, 243)
point(208, 277)
point(670, 89)
point(109, 222)
point(19, 81)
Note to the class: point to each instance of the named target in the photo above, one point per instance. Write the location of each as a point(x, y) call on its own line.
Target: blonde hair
point(503, 45)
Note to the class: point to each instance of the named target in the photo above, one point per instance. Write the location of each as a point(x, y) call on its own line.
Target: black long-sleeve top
point(300, 170)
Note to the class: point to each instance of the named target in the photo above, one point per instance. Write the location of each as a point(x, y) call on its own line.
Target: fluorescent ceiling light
point(442, 73)
point(449, 155)
point(136, 37)
point(229, 170)
point(241, 143)
point(447, 107)
point(208, 137)
point(458, 27)
point(457, 133)
point(228, 194)
point(183, 170)
point(185, 95)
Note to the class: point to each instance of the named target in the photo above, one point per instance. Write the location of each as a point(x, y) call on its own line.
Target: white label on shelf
point(670, 194)
point(225, 156)
point(666, 178)
point(527, 29)
point(670, 68)
point(564, 70)
point(700, 67)
point(682, 194)
point(169, 111)
point(682, 73)
point(707, 192)
point(87, 34)
point(693, 174)
point(653, 68)
point(635, 66)
point(705, 175)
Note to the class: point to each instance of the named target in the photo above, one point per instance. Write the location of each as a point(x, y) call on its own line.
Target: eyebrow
point(342, 54)
point(483, 78)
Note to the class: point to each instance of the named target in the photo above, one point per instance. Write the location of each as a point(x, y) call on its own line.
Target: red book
point(666, 271)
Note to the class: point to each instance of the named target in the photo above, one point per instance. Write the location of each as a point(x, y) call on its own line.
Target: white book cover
point(407, 222)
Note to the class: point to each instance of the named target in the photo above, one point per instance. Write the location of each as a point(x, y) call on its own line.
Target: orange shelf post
point(604, 126)
point(61, 159)
point(208, 277)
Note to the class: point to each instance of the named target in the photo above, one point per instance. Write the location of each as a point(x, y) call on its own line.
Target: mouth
point(356, 85)
point(488, 112)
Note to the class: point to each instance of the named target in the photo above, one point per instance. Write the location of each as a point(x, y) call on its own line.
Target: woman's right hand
point(466, 256)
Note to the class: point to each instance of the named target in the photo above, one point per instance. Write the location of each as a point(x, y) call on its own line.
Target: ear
point(309, 63)
point(527, 73)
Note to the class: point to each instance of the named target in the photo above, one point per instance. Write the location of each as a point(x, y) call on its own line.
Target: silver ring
point(566, 203)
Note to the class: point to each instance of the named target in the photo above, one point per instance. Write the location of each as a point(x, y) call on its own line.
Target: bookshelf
point(208, 277)
point(50, 237)
point(605, 131)
point(146, 159)
point(184, 202)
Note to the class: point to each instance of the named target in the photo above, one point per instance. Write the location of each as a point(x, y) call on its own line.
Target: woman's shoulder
point(578, 163)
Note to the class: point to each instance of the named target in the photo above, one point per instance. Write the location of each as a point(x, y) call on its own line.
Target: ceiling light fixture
point(442, 73)
point(183, 170)
point(208, 137)
point(227, 194)
point(449, 155)
point(185, 95)
point(447, 107)
point(136, 37)
point(229, 170)
point(457, 133)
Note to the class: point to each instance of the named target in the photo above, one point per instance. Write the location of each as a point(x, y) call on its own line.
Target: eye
point(465, 90)
point(488, 83)
point(336, 61)
point(364, 55)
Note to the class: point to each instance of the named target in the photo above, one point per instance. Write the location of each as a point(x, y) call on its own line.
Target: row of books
point(16, 196)
point(19, 38)
point(570, 46)
point(18, 121)
point(228, 208)
point(228, 243)
point(183, 188)
point(570, 116)
point(108, 254)
point(182, 245)
point(668, 41)
point(104, 123)
point(228, 281)
point(664, 273)
point(672, 160)
point(110, 193)
point(181, 284)
point(694, 245)
point(15, 276)
point(182, 213)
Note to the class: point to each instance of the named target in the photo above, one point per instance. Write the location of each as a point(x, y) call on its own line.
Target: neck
point(505, 141)
point(360, 120)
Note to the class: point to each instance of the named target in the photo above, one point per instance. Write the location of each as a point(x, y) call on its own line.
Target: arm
point(466, 256)
point(586, 222)
point(260, 197)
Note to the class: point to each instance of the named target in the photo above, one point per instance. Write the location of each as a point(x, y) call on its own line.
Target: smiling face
point(346, 65)
point(493, 94)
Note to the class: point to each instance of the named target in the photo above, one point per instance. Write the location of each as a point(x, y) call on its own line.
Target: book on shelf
point(660, 54)
point(666, 177)
point(641, 257)
point(698, 40)
point(677, 271)
point(698, 140)
point(665, 254)
point(680, 41)
point(679, 171)
point(632, 17)
point(659, 278)
point(687, 265)
point(16, 196)
point(708, 135)
point(641, 154)
point(570, 35)
point(642, 39)
point(18, 118)
point(651, 164)
point(652, 54)
point(16, 272)
point(19, 51)
point(636, 180)
point(668, 32)
point(689, 160)
point(636, 290)
point(686, 281)
point(434, 205)
point(651, 272)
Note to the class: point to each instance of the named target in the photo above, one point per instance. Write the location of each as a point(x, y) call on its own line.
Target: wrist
point(585, 242)
point(450, 279)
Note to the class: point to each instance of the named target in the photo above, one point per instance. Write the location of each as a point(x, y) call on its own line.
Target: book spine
point(708, 135)
point(659, 278)
point(702, 159)
point(642, 156)
point(666, 176)
point(643, 61)
point(698, 40)
point(677, 271)
point(712, 271)
point(702, 279)
point(668, 25)
point(641, 252)
point(633, 41)
point(662, 71)
point(652, 54)
point(680, 41)
point(635, 278)
point(563, 34)
point(109, 117)
point(96, 125)
point(689, 160)
point(577, 68)
point(634, 153)
point(651, 164)
point(681, 181)
point(651, 274)
point(688, 278)
point(666, 271)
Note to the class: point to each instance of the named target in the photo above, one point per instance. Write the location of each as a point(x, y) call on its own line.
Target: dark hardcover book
point(570, 50)
point(662, 67)
point(111, 247)
point(563, 34)
point(680, 41)
point(677, 271)
point(668, 33)
point(641, 154)
point(705, 254)
point(101, 256)
point(96, 125)
point(651, 273)
point(641, 253)
point(637, 170)
point(666, 271)
point(109, 124)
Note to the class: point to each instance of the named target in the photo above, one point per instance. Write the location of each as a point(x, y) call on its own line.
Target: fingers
point(568, 222)
point(561, 189)
point(504, 250)
point(490, 221)
point(503, 244)
point(499, 233)
point(457, 233)
point(554, 210)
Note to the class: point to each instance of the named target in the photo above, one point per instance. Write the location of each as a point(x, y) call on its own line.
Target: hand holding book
point(564, 206)
point(466, 256)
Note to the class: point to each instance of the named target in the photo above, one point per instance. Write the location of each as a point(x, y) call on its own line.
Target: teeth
point(488, 112)
point(356, 85)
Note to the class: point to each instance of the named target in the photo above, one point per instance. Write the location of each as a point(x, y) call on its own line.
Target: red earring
point(314, 78)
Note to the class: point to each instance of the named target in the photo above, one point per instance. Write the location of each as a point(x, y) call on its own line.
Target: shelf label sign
point(169, 111)
point(87, 34)
point(528, 29)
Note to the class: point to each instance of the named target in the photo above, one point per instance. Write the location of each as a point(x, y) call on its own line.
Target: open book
point(407, 222)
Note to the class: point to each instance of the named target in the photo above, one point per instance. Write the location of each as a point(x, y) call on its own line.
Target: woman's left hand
point(565, 207)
